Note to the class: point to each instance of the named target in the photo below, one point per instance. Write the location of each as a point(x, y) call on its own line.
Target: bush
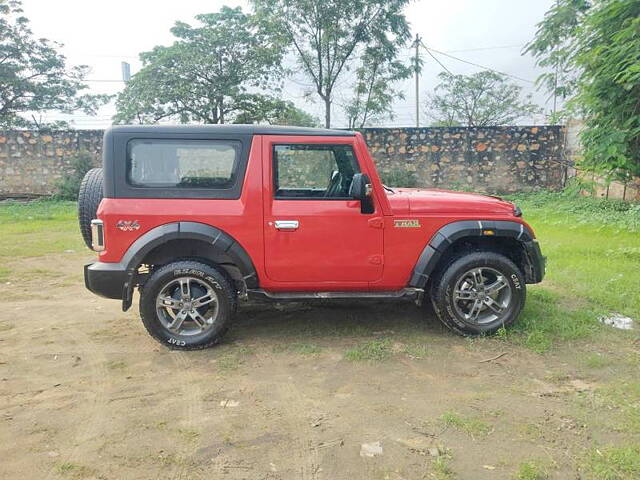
point(69, 187)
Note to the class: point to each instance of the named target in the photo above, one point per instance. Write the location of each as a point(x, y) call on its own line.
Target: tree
point(373, 94)
point(327, 37)
point(34, 77)
point(209, 75)
point(479, 100)
point(552, 46)
point(274, 111)
point(600, 47)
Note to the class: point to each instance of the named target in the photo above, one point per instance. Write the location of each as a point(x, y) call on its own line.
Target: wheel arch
point(194, 240)
point(513, 239)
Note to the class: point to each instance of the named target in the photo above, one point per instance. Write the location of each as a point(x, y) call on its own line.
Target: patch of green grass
point(593, 267)
point(531, 470)
point(614, 463)
point(189, 435)
point(234, 357)
point(472, 426)
point(545, 322)
point(74, 470)
point(596, 360)
point(4, 273)
point(116, 364)
point(622, 398)
point(415, 350)
point(30, 229)
point(441, 469)
point(372, 350)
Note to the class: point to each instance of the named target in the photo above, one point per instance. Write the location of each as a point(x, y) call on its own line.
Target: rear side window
point(210, 164)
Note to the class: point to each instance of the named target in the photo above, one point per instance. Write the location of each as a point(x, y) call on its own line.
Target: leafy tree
point(373, 94)
point(34, 77)
point(328, 36)
point(209, 75)
point(600, 46)
point(552, 46)
point(479, 100)
point(277, 112)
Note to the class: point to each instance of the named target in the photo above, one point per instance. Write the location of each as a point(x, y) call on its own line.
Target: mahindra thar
point(198, 217)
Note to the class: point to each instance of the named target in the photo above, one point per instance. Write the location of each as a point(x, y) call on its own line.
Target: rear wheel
point(479, 293)
point(187, 305)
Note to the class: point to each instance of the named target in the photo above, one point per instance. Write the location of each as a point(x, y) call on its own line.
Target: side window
point(312, 171)
point(182, 163)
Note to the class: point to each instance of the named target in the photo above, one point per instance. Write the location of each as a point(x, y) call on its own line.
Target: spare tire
point(89, 198)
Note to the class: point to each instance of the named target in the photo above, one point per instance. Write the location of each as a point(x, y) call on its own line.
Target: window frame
point(274, 167)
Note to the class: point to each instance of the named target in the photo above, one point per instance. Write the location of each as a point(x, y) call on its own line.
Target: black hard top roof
point(231, 129)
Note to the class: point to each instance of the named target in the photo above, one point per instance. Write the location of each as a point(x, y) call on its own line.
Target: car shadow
point(326, 319)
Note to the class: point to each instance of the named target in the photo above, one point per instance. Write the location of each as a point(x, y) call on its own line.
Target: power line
point(432, 56)
point(102, 80)
point(479, 49)
point(479, 66)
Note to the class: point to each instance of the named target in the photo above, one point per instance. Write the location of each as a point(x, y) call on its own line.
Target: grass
point(596, 360)
point(614, 463)
point(593, 267)
point(472, 426)
point(371, 350)
point(233, 357)
point(74, 470)
point(441, 469)
point(31, 229)
point(618, 402)
point(531, 470)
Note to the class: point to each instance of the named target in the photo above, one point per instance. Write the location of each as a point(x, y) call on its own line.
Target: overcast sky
point(102, 34)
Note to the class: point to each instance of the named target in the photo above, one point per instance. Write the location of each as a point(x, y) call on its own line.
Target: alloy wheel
point(187, 306)
point(482, 295)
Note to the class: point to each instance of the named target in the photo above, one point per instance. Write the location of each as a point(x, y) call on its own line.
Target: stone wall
point(33, 163)
point(494, 159)
point(489, 159)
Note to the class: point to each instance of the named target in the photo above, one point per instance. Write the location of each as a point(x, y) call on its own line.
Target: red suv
point(197, 217)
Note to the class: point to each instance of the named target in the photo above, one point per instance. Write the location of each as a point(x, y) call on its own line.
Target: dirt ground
point(293, 393)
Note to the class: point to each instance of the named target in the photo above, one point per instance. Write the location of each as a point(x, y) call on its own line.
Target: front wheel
point(479, 293)
point(187, 305)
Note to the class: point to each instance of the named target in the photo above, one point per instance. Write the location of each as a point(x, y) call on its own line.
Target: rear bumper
point(536, 262)
point(108, 280)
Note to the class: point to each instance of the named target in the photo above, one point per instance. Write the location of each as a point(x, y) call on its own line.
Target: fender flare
point(454, 231)
point(221, 241)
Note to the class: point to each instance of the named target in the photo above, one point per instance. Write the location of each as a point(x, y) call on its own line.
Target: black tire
point(89, 197)
point(154, 318)
point(452, 306)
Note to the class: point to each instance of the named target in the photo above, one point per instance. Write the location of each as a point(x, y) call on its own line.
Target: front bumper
point(535, 262)
point(109, 280)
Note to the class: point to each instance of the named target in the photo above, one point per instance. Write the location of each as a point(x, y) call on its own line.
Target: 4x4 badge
point(128, 225)
point(406, 223)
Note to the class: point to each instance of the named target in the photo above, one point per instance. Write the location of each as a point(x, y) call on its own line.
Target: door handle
point(287, 224)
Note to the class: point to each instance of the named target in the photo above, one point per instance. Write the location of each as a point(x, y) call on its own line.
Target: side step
point(410, 293)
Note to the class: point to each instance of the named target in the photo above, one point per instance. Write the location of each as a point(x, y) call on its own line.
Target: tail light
point(97, 235)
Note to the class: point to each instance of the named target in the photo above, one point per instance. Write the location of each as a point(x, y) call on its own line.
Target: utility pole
point(417, 65)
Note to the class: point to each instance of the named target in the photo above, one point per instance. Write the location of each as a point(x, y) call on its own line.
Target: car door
point(315, 233)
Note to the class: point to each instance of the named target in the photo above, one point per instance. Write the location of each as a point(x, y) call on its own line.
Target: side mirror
point(360, 187)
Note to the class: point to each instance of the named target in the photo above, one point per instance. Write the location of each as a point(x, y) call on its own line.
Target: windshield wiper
point(388, 189)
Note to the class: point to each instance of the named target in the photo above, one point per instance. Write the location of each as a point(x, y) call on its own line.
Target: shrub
point(69, 187)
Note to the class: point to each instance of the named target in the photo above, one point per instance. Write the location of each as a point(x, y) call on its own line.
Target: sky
point(102, 34)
